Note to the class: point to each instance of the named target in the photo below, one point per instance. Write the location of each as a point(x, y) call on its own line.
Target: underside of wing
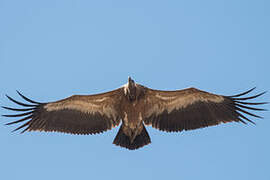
point(78, 114)
point(192, 108)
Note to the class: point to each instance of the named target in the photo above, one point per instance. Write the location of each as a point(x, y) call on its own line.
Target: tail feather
point(123, 140)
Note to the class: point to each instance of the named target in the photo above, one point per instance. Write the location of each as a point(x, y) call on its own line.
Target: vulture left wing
point(78, 114)
point(192, 108)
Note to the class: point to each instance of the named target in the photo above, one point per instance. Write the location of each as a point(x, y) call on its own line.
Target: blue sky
point(50, 50)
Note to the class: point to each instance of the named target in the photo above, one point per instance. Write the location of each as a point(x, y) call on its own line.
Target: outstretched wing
point(192, 108)
point(78, 114)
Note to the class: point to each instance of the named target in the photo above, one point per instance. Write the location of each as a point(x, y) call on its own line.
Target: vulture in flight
point(134, 106)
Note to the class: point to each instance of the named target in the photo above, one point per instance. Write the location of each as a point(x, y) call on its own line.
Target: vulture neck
point(132, 90)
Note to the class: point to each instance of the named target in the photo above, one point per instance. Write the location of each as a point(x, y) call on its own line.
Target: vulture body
point(134, 106)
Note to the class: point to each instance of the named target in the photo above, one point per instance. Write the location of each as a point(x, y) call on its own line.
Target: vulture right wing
point(78, 114)
point(192, 109)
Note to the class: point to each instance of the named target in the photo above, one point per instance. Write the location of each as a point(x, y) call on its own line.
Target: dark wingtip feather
point(19, 103)
point(241, 94)
point(21, 120)
point(25, 130)
point(244, 117)
point(251, 108)
point(27, 99)
point(14, 109)
point(18, 115)
point(251, 97)
point(250, 103)
point(21, 126)
point(239, 109)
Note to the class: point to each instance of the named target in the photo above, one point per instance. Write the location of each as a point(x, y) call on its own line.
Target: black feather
point(250, 103)
point(239, 109)
point(19, 103)
point(21, 120)
point(14, 109)
point(18, 115)
point(241, 94)
point(251, 97)
point(252, 108)
point(27, 99)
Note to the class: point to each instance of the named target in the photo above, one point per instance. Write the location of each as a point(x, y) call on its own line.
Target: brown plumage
point(135, 106)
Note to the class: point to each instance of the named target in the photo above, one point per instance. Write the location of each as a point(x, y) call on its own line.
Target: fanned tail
point(123, 140)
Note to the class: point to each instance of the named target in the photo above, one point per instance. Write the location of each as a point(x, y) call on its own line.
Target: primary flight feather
point(134, 106)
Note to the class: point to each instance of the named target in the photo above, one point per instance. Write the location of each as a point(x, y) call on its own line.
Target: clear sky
point(51, 49)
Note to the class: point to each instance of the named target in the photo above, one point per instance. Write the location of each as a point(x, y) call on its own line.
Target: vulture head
point(131, 90)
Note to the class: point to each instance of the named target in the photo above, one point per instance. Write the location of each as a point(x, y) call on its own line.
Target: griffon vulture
point(134, 106)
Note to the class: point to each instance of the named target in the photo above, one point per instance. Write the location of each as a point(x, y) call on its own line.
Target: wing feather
point(78, 114)
point(192, 108)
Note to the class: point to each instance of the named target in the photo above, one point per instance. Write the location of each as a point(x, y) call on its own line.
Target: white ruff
point(125, 86)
